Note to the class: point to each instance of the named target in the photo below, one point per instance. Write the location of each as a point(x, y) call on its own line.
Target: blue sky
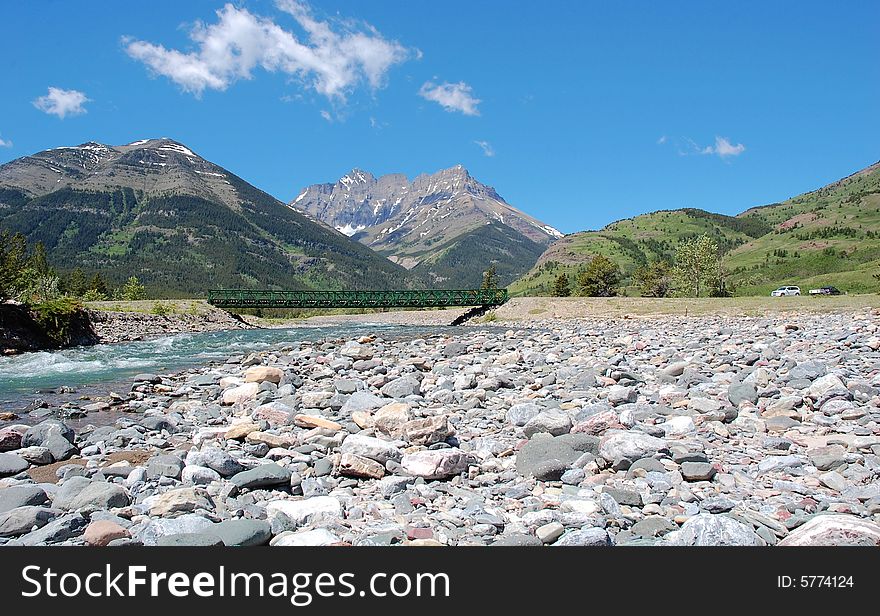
point(577, 112)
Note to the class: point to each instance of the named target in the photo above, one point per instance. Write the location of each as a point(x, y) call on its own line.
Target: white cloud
point(661, 140)
point(62, 103)
point(5, 143)
point(332, 58)
point(451, 96)
point(723, 148)
point(326, 115)
point(488, 150)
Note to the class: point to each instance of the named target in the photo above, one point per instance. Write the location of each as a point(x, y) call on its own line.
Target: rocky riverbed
point(664, 431)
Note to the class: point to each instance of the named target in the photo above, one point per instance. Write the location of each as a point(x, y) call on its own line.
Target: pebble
point(657, 431)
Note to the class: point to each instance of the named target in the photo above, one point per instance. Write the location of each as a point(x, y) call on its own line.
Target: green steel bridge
point(244, 298)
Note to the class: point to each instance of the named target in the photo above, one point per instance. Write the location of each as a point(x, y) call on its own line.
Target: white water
point(22, 376)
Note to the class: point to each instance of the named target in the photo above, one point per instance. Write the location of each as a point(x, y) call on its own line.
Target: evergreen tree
point(490, 278)
point(39, 263)
point(76, 284)
point(98, 284)
point(13, 261)
point(601, 278)
point(561, 287)
point(653, 279)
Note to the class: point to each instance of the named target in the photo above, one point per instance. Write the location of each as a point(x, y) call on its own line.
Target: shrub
point(56, 316)
point(164, 309)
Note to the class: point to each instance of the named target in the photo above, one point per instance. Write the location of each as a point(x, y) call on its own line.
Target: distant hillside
point(635, 241)
point(828, 236)
point(157, 210)
point(447, 227)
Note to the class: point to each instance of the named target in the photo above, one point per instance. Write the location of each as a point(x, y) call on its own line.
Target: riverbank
point(715, 429)
point(127, 326)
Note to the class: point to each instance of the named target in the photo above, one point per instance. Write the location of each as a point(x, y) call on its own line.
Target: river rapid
point(66, 375)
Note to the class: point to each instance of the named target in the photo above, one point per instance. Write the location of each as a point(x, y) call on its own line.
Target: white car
point(782, 291)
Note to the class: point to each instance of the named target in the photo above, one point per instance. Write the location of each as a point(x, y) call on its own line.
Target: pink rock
point(598, 423)
point(102, 532)
point(258, 374)
point(9, 439)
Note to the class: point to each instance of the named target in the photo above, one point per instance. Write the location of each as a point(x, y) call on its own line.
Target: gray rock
point(827, 458)
point(401, 387)
point(21, 520)
point(552, 421)
point(20, 496)
point(215, 458)
point(12, 464)
point(742, 392)
point(647, 464)
point(617, 394)
point(595, 537)
point(59, 529)
point(362, 401)
point(707, 529)
point(69, 489)
point(37, 435)
point(99, 495)
point(652, 526)
point(717, 504)
point(548, 533)
point(36, 455)
point(348, 386)
point(697, 471)
point(243, 532)
point(547, 457)
point(159, 423)
point(206, 539)
point(516, 540)
point(262, 476)
point(623, 448)
point(199, 475)
point(149, 532)
point(630, 498)
point(370, 447)
point(520, 414)
point(58, 446)
point(164, 466)
point(146, 377)
point(809, 371)
point(842, 530)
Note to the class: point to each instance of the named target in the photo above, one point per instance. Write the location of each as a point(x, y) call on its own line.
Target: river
point(97, 370)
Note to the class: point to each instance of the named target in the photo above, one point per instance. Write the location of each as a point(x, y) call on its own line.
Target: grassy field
point(154, 306)
point(531, 308)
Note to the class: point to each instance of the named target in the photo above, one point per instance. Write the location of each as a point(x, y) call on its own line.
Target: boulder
point(707, 529)
point(259, 374)
point(833, 529)
point(435, 464)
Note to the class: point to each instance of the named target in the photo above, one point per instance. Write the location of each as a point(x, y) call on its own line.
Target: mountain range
point(829, 236)
point(446, 227)
point(155, 209)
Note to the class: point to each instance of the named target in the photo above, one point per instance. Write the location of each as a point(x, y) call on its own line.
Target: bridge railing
point(434, 298)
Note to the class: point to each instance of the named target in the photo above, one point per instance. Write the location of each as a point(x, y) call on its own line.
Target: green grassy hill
point(828, 236)
point(635, 241)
